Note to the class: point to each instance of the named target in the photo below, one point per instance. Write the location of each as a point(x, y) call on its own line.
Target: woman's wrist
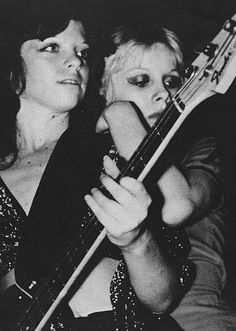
point(141, 246)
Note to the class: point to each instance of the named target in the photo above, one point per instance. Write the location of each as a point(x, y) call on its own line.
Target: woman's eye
point(52, 48)
point(83, 54)
point(173, 82)
point(140, 80)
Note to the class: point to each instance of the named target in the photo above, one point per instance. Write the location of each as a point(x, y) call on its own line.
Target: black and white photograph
point(117, 165)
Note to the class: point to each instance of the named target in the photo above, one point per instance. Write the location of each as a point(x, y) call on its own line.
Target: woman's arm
point(196, 189)
point(154, 279)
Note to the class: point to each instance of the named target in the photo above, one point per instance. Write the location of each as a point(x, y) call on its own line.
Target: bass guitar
point(211, 72)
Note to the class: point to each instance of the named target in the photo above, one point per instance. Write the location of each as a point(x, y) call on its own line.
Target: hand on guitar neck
point(182, 199)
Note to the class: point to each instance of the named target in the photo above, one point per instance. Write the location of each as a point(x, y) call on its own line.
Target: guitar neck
point(211, 72)
point(49, 294)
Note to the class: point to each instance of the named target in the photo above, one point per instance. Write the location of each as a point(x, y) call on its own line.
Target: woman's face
point(149, 78)
point(56, 71)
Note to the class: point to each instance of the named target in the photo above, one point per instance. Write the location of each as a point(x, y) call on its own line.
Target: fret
point(51, 288)
point(153, 140)
point(211, 72)
point(30, 319)
point(91, 227)
point(49, 291)
point(171, 116)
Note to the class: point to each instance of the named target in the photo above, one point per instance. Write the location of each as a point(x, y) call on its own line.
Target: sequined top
point(11, 221)
point(126, 306)
point(128, 312)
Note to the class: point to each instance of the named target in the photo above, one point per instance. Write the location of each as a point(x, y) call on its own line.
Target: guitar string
point(74, 247)
point(169, 112)
point(87, 232)
point(156, 128)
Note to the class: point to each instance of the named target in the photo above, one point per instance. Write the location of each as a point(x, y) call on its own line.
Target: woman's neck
point(38, 127)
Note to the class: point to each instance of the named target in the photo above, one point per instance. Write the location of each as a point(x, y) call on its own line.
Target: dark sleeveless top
point(12, 218)
point(53, 220)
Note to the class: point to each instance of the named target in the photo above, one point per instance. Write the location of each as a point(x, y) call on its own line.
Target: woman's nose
point(74, 62)
point(161, 96)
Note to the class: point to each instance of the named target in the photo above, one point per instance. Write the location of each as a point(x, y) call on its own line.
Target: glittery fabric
point(11, 221)
point(124, 302)
point(127, 310)
point(128, 313)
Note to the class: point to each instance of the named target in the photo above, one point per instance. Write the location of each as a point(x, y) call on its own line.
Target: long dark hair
point(20, 21)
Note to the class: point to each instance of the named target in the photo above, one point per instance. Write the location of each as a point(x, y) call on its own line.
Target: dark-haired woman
point(50, 158)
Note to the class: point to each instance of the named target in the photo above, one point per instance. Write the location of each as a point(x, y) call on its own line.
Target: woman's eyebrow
point(137, 68)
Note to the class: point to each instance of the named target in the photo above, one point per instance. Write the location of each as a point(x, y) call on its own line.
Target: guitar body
point(14, 312)
point(12, 304)
point(212, 72)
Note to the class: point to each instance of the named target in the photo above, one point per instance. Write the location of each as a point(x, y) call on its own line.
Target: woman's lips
point(70, 82)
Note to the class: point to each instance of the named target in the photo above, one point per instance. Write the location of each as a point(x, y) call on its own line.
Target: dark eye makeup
point(139, 80)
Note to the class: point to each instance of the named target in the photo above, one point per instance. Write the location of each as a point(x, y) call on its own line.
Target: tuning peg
point(230, 26)
point(189, 71)
point(209, 49)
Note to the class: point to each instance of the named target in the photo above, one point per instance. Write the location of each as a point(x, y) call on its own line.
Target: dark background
point(195, 21)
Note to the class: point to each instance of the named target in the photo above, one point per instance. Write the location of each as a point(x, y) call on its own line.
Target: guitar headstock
point(214, 69)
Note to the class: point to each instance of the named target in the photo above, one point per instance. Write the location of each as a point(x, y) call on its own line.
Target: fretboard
point(212, 72)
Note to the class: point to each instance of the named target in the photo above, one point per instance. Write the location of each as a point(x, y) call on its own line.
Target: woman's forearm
point(153, 278)
point(187, 197)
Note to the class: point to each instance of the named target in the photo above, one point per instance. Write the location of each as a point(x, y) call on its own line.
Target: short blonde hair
point(127, 38)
